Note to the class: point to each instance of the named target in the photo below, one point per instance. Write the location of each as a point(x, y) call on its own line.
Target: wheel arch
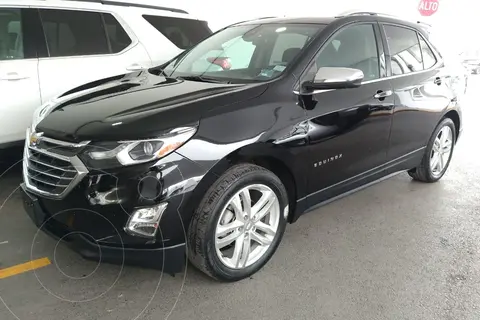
point(455, 117)
point(266, 155)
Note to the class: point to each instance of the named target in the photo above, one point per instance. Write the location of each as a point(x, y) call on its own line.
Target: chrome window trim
point(439, 59)
point(371, 81)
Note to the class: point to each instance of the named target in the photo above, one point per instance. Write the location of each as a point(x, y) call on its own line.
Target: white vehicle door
point(19, 87)
point(85, 46)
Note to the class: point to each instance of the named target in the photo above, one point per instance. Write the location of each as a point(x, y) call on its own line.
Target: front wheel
point(437, 154)
point(239, 223)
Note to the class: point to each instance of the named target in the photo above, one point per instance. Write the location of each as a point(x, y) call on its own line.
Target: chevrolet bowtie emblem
point(35, 138)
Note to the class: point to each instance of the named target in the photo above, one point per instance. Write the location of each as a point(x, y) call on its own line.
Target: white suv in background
point(49, 47)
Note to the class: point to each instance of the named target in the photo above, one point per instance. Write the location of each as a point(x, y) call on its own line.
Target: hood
point(136, 105)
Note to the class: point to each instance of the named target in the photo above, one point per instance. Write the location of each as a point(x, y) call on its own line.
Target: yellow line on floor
point(24, 267)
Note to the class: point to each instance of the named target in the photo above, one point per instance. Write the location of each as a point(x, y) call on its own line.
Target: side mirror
point(335, 78)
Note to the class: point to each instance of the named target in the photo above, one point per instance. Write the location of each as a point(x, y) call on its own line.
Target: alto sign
point(428, 7)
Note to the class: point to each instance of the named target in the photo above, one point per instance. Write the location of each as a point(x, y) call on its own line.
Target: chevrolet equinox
point(209, 156)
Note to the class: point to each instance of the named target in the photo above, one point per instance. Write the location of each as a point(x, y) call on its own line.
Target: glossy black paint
point(321, 144)
point(116, 109)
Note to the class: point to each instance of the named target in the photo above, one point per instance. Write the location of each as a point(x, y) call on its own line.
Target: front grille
point(51, 167)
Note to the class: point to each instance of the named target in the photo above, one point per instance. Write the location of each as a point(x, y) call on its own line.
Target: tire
point(424, 172)
point(217, 204)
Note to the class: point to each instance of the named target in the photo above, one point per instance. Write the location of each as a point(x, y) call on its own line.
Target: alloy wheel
point(441, 151)
point(247, 226)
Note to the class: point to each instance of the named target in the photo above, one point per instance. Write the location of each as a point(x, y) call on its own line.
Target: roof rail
point(130, 4)
point(355, 13)
point(368, 13)
point(364, 13)
point(424, 23)
point(243, 21)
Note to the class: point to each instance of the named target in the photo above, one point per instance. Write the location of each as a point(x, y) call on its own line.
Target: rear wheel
point(438, 154)
point(239, 223)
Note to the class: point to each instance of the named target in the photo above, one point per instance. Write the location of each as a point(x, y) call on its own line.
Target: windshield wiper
point(203, 79)
point(158, 70)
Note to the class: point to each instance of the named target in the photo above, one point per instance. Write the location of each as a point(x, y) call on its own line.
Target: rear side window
point(183, 33)
point(74, 33)
point(405, 51)
point(117, 36)
point(429, 59)
point(79, 33)
point(11, 34)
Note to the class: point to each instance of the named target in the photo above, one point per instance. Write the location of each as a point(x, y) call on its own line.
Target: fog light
point(145, 221)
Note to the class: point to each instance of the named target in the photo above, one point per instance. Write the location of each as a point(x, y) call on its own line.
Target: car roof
point(360, 16)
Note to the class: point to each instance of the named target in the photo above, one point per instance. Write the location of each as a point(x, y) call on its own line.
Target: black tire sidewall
point(258, 177)
point(441, 125)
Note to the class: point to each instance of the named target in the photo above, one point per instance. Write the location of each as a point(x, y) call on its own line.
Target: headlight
point(140, 151)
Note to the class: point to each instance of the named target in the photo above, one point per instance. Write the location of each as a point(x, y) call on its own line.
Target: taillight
point(223, 62)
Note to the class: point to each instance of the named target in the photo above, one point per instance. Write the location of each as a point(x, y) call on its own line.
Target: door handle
point(135, 67)
point(438, 81)
point(12, 76)
point(383, 94)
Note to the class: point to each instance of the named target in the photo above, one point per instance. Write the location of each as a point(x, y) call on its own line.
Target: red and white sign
point(428, 7)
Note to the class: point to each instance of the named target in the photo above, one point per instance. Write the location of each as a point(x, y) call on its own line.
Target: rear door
point(349, 128)
point(85, 46)
point(19, 87)
point(421, 89)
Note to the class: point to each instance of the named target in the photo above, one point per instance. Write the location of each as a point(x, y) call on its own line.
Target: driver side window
point(352, 47)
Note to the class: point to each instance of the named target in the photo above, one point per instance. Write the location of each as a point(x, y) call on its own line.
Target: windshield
point(244, 53)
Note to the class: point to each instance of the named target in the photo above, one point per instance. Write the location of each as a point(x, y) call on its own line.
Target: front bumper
point(170, 259)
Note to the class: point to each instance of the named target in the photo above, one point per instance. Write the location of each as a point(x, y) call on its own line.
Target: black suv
point(209, 156)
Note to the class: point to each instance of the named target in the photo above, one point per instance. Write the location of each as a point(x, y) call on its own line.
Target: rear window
point(67, 34)
point(183, 33)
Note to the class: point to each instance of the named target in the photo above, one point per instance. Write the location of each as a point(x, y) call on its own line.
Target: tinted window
point(352, 47)
point(117, 36)
point(245, 52)
point(183, 33)
point(404, 49)
point(429, 59)
point(74, 33)
point(11, 35)
point(397, 68)
point(287, 41)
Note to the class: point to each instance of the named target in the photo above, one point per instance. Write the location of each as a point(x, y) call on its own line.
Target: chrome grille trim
point(47, 165)
point(56, 181)
point(46, 182)
point(65, 144)
point(40, 172)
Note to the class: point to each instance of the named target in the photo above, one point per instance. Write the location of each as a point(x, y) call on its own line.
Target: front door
point(348, 128)
point(19, 87)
